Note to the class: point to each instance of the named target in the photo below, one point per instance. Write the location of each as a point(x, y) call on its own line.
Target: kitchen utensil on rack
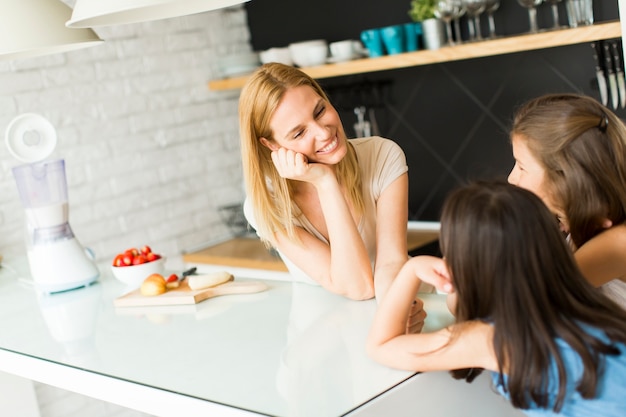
point(619, 70)
point(362, 127)
point(610, 73)
point(374, 122)
point(597, 54)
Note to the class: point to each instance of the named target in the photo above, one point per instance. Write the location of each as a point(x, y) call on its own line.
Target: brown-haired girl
point(571, 151)
point(524, 312)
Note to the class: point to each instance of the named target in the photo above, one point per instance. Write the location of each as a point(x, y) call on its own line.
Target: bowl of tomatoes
point(134, 265)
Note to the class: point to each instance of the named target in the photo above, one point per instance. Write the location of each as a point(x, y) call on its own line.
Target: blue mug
point(393, 38)
point(373, 42)
point(412, 32)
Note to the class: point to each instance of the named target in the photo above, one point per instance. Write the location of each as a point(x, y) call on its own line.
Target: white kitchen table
point(293, 350)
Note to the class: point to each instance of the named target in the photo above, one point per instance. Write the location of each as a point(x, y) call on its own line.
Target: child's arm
point(388, 344)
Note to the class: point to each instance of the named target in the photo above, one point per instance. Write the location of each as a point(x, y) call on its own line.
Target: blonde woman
point(571, 151)
point(335, 209)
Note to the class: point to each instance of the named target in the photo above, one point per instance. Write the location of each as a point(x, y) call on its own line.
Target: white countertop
point(294, 350)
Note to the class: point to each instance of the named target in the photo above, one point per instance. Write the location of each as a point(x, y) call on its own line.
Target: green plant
point(422, 10)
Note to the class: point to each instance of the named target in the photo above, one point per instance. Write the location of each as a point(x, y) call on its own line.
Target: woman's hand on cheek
point(295, 166)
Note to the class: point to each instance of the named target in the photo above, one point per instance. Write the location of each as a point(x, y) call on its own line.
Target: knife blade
point(619, 71)
point(597, 53)
point(608, 66)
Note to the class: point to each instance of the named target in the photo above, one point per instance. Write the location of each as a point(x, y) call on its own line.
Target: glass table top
point(294, 349)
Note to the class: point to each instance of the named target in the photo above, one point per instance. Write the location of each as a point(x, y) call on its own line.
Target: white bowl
point(134, 275)
point(238, 64)
point(280, 55)
point(309, 53)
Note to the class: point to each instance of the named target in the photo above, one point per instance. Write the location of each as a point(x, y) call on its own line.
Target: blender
point(57, 260)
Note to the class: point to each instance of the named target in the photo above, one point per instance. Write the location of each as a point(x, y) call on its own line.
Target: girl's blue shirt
point(610, 400)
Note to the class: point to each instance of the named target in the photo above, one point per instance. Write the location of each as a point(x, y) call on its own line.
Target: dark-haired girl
point(524, 312)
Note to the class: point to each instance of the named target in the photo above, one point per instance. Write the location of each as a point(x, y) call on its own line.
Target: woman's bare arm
point(343, 266)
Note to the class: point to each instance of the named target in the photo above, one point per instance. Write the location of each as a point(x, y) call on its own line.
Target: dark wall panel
point(451, 119)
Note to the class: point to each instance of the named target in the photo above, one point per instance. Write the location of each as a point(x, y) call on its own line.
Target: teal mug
point(412, 34)
point(373, 42)
point(393, 39)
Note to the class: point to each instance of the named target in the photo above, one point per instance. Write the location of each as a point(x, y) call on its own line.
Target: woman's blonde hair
point(581, 145)
point(271, 195)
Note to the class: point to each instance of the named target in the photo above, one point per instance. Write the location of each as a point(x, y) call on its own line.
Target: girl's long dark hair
point(511, 267)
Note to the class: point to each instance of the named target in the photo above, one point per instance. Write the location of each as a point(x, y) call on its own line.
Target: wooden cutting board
point(185, 295)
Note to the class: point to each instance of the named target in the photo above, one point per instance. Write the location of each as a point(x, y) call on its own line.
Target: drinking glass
point(446, 10)
point(457, 20)
point(531, 5)
point(490, 7)
point(474, 8)
point(555, 12)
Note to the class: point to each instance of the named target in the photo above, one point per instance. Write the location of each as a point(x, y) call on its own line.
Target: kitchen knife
point(619, 72)
point(608, 66)
point(597, 53)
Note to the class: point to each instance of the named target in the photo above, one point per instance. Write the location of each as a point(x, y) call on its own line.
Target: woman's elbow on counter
point(364, 292)
point(353, 289)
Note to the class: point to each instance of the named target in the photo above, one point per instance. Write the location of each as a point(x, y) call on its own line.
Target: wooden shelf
point(499, 46)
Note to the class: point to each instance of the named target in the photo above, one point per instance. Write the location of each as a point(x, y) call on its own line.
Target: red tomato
point(127, 259)
point(139, 259)
point(152, 256)
point(145, 249)
point(172, 278)
point(118, 261)
point(132, 251)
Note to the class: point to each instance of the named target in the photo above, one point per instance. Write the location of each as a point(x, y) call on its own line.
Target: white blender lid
point(30, 137)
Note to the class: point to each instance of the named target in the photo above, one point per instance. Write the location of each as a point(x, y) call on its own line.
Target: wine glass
point(531, 5)
point(457, 20)
point(555, 12)
point(446, 10)
point(474, 8)
point(490, 7)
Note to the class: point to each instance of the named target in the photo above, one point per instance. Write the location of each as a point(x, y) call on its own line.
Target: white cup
point(343, 50)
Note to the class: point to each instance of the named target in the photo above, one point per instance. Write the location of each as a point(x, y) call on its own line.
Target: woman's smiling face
point(306, 123)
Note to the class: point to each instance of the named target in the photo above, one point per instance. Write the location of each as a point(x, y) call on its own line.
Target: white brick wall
point(150, 152)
